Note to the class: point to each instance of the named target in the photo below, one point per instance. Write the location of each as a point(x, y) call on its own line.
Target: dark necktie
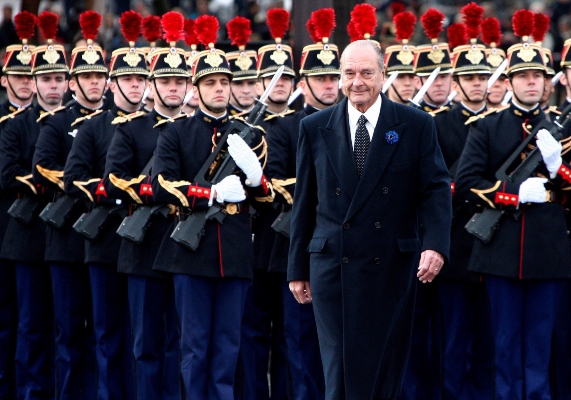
point(362, 143)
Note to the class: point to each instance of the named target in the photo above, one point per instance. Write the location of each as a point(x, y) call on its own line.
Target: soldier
point(566, 76)
point(83, 178)
point(75, 361)
point(399, 60)
point(263, 326)
point(526, 261)
point(127, 177)
point(211, 281)
point(466, 347)
point(243, 66)
point(428, 57)
point(491, 34)
point(24, 241)
point(320, 73)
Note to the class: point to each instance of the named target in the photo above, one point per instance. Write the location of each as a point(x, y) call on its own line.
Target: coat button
point(385, 190)
point(377, 225)
point(337, 191)
point(346, 225)
point(345, 260)
point(377, 260)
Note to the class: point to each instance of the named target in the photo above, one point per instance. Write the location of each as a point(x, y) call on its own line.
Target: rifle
point(218, 166)
point(134, 227)
point(484, 224)
point(58, 213)
point(91, 224)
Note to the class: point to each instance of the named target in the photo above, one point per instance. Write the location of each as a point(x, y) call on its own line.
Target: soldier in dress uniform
point(83, 178)
point(211, 281)
point(527, 260)
point(75, 347)
point(128, 178)
point(491, 35)
point(320, 73)
point(466, 347)
point(243, 66)
point(399, 60)
point(263, 327)
point(24, 241)
point(428, 57)
point(17, 80)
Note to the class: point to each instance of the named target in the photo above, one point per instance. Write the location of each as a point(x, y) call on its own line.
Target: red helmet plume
point(90, 21)
point(277, 20)
point(131, 25)
point(457, 35)
point(189, 34)
point(491, 31)
point(353, 33)
point(472, 17)
point(311, 29)
point(364, 16)
point(48, 24)
point(540, 26)
point(432, 21)
point(25, 24)
point(523, 23)
point(404, 25)
point(239, 31)
point(173, 27)
point(152, 28)
point(324, 23)
point(206, 29)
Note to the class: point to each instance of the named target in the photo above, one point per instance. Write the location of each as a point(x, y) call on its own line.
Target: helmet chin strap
point(123, 94)
point(457, 80)
point(212, 110)
point(279, 103)
point(403, 101)
point(24, 101)
point(83, 93)
point(236, 100)
point(161, 98)
point(315, 97)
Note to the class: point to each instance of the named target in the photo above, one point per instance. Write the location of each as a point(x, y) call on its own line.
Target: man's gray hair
point(363, 44)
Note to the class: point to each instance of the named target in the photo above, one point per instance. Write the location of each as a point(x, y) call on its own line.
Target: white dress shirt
point(372, 115)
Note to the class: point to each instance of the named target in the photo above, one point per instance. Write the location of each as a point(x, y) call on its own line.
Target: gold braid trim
point(270, 198)
point(278, 185)
point(52, 112)
point(10, 116)
point(52, 176)
point(126, 186)
point(81, 119)
point(26, 180)
point(264, 152)
point(483, 192)
point(565, 145)
point(81, 185)
point(171, 187)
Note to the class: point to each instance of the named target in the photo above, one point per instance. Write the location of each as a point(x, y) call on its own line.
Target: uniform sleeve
point(13, 175)
point(279, 154)
point(304, 209)
point(168, 188)
point(48, 158)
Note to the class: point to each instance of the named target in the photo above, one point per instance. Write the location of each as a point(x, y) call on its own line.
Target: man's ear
point(417, 82)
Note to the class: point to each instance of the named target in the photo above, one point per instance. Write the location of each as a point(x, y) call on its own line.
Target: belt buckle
point(231, 208)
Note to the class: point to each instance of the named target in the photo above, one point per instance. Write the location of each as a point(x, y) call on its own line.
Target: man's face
point(548, 90)
point(471, 87)
point(92, 86)
point(528, 86)
point(403, 85)
point(320, 90)
point(19, 86)
point(214, 92)
point(498, 90)
point(132, 87)
point(281, 92)
point(362, 77)
point(243, 93)
point(51, 87)
point(438, 92)
point(171, 90)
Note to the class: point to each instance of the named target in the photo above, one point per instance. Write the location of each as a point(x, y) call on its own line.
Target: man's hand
point(431, 263)
point(301, 291)
point(550, 151)
point(245, 159)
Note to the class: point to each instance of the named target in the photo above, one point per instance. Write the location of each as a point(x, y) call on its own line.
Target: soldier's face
point(130, 87)
point(438, 92)
point(171, 90)
point(243, 93)
point(92, 86)
point(213, 91)
point(403, 85)
point(528, 86)
point(362, 77)
point(548, 90)
point(324, 88)
point(471, 87)
point(281, 92)
point(497, 91)
point(18, 86)
point(50, 87)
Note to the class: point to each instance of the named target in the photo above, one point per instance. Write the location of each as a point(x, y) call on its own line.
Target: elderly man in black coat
point(372, 198)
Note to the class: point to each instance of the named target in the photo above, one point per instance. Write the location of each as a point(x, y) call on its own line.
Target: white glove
point(228, 189)
point(550, 151)
point(532, 190)
point(245, 159)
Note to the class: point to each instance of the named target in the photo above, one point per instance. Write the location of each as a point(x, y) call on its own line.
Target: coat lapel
point(338, 151)
point(378, 157)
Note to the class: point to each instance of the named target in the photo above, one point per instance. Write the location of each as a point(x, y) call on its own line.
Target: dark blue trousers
point(263, 338)
point(561, 360)
point(523, 315)
point(467, 357)
point(112, 333)
point(8, 326)
point(156, 346)
point(210, 313)
point(76, 368)
point(304, 358)
point(35, 339)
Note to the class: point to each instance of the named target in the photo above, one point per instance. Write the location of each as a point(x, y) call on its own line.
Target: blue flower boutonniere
point(391, 137)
